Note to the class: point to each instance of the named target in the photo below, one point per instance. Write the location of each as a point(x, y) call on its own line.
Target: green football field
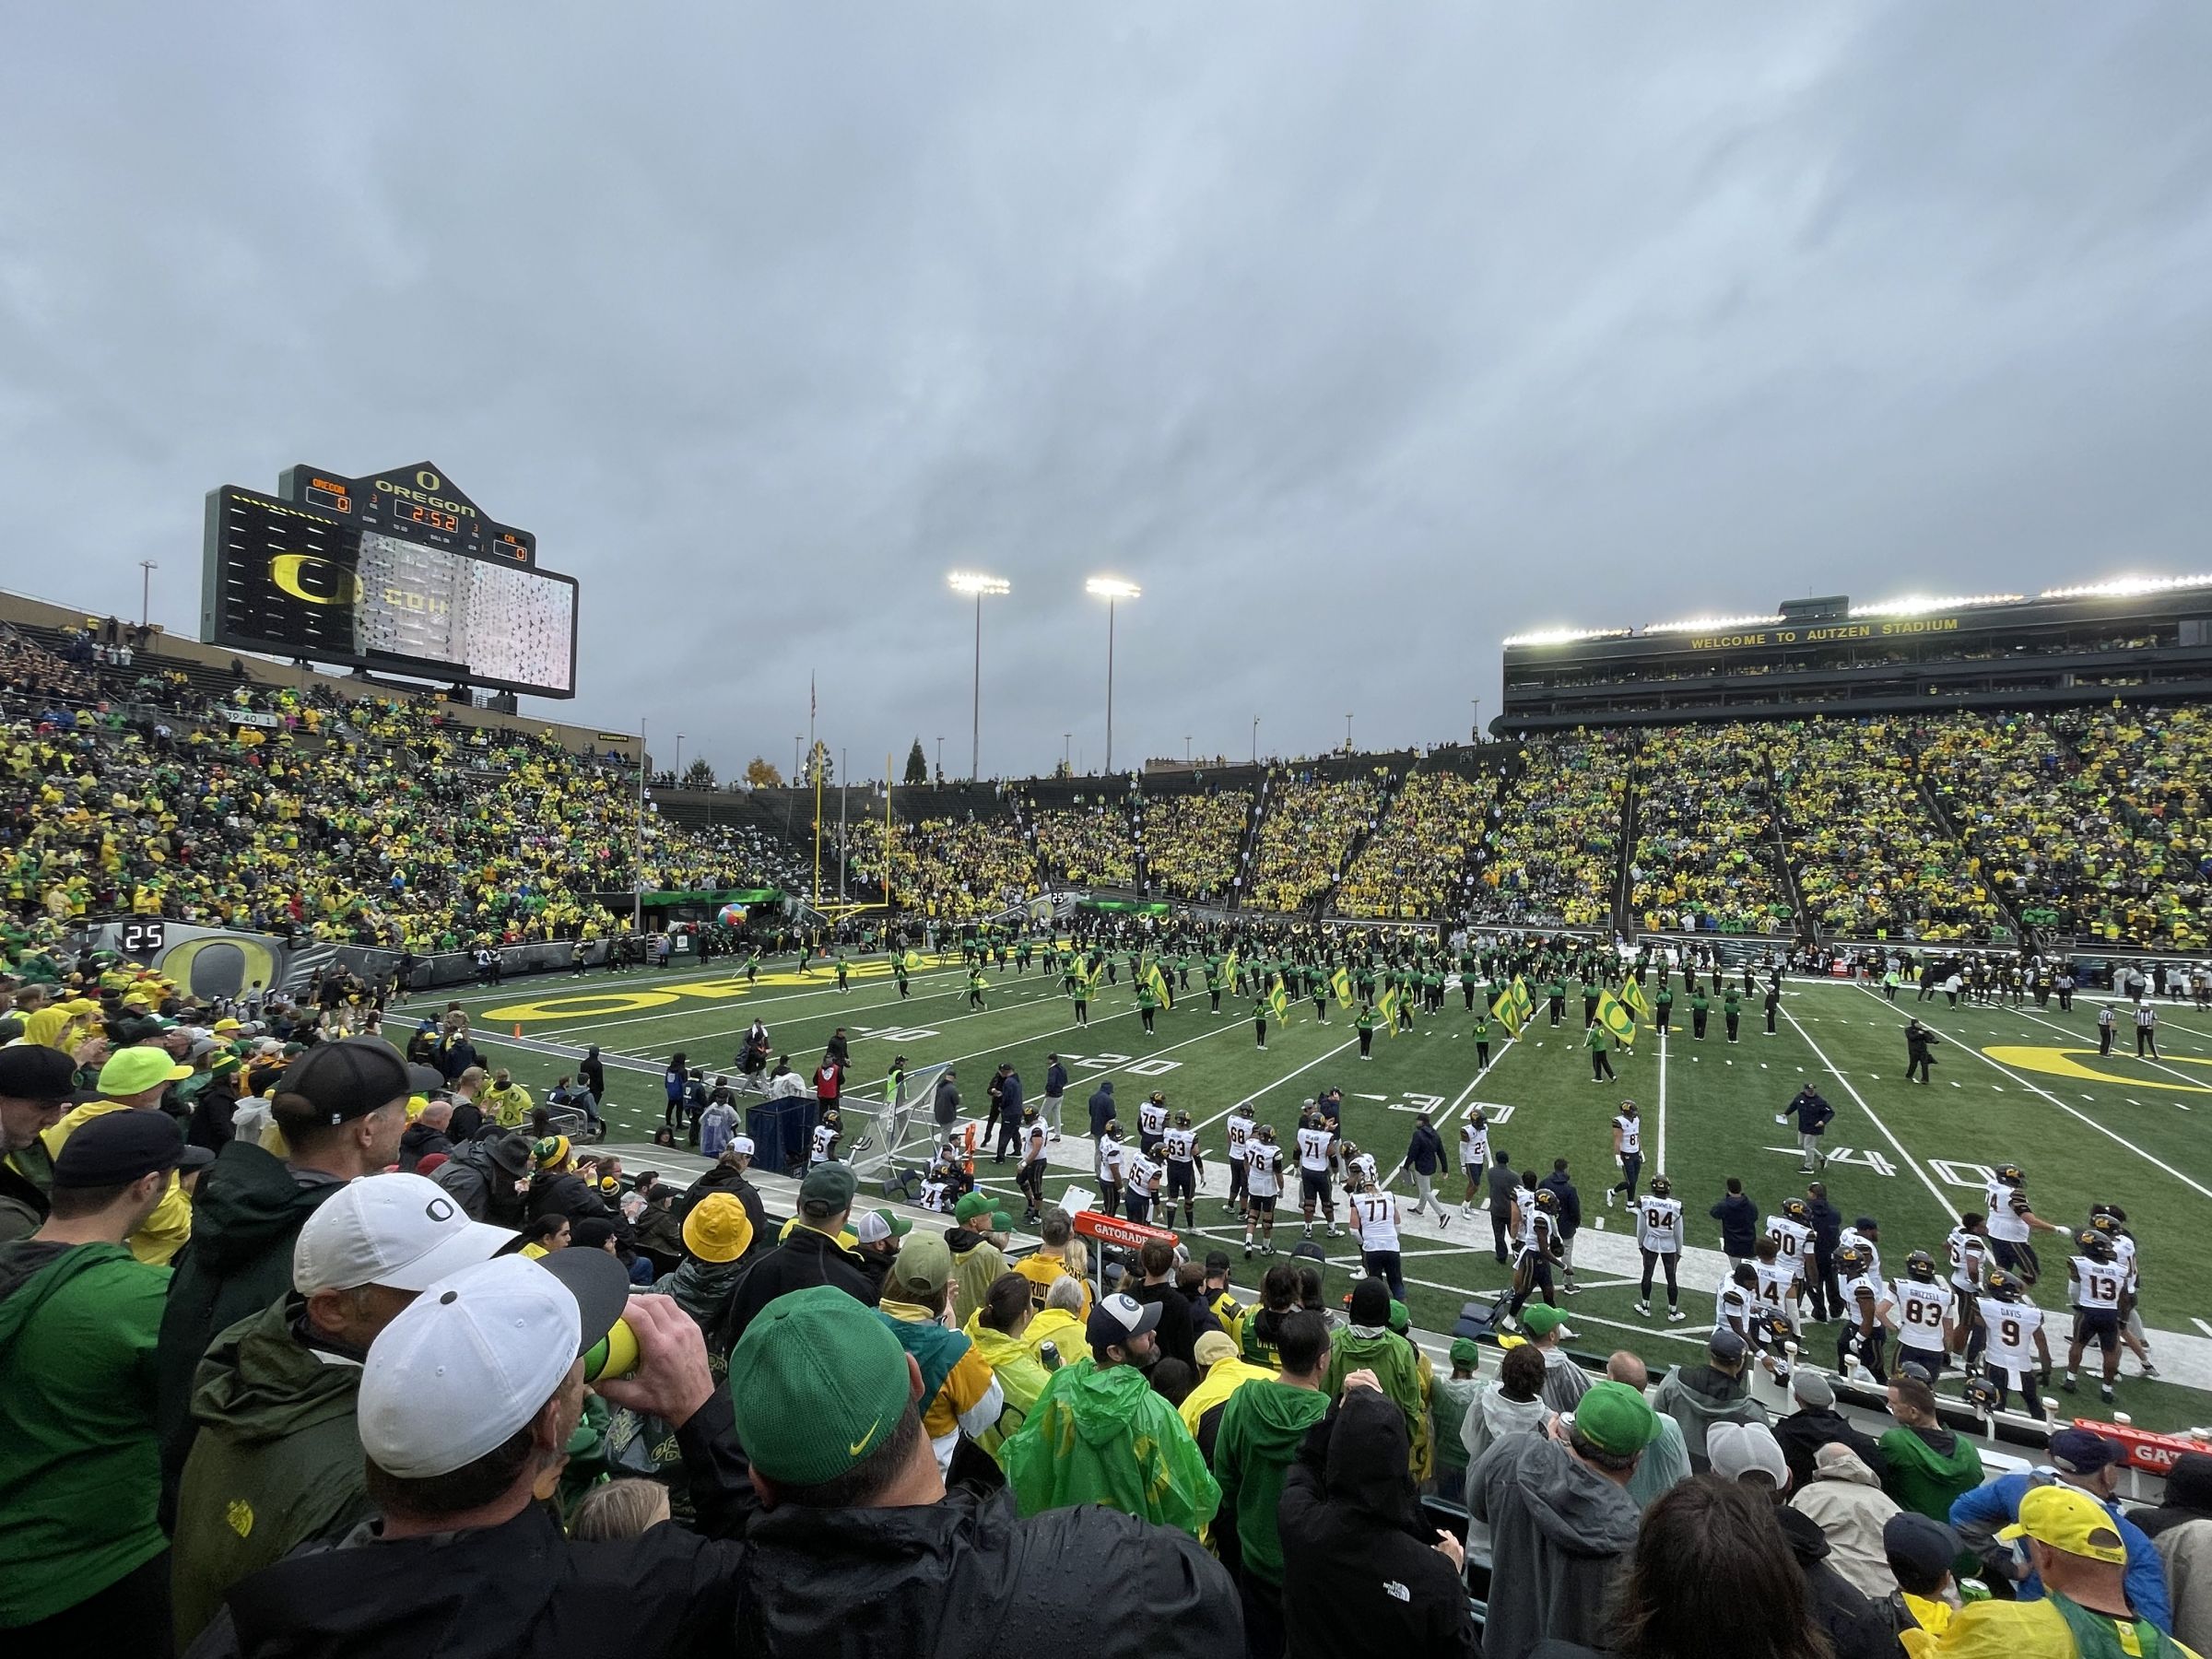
point(2022, 1085)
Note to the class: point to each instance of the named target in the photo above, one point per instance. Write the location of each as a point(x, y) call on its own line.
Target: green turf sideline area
point(2009, 1086)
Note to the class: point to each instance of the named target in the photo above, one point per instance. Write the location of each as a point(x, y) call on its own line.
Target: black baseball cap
point(118, 1148)
point(349, 1079)
point(34, 1072)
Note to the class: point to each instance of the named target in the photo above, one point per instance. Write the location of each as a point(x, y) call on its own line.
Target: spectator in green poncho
point(1099, 1434)
point(1369, 1344)
point(1262, 1425)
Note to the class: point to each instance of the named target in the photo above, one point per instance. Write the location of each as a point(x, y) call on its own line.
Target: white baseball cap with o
point(402, 1231)
point(465, 1367)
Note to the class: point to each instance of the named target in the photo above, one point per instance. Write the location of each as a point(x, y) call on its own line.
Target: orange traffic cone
point(518, 1028)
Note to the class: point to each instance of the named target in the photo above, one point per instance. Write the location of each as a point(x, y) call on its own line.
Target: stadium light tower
point(1112, 589)
point(970, 582)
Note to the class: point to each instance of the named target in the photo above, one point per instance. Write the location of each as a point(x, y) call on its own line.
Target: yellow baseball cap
point(2069, 1521)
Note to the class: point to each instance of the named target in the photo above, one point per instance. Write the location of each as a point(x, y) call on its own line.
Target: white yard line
point(1286, 1078)
point(1934, 1191)
point(2111, 1134)
point(1019, 1002)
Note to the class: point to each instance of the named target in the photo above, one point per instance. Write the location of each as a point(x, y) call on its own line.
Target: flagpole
point(840, 825)
point(887, 840)
point(636, 853)
point(814, 758)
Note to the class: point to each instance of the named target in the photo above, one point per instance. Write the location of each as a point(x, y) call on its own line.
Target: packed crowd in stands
point(2091, 820)
point(1420, 862)
point(950, 869)
point(2147, 771)
point(131, 788)
point(1192, 842)
point(1310, 824)
point(1705, 854)
point(1871, 861)
point(1088, 844)
point(1552, 855)
point(30, 671)
point(373, 822)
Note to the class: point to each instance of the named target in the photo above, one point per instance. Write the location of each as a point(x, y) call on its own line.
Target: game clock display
point(378, 581)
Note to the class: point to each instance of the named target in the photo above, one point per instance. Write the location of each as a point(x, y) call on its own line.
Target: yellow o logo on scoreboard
point(426, 479)
point(289, 570)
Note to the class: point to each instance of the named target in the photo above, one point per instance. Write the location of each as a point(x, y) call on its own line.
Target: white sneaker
point(1644, 1308)
point(1676, 1316)
point(1610, 1196)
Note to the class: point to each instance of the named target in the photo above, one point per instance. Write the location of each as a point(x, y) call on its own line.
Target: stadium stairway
point(1807, 925)
point(1263, 801)
point(1624, 889)
point(2006, 900)
point(1394, 785)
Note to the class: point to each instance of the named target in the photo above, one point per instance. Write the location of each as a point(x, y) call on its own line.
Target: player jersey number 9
point(2008, 1333)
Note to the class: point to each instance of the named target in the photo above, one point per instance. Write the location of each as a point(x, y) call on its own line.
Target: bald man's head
point(1624, 1366)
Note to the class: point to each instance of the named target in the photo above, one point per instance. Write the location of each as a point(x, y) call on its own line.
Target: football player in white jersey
point(1151, 1123)
point(826, 1133)
point(1263, 1185)
point(1792, 1231)
point(1918, 1308)
point(2111, 1221)
point(1185, 1168)
point(2095, 1284)
point(2018, 1349)
point(1375, 1216)
point(1030, 1177)
point(1627, 1152)
point(1113, 1163)
point(1968, 1253)
point(1359, 1166)
point(1778, 1286)
point(2008, 1221)
point(1237, 1134)
point(1140, 1184)
point(1536, 1219)
point(1736, 1302)
point(1862, 1330)
point(1659, 1237)
point(1867, 1236)
point(933, 1189)
point(1473, 1158)
point(1316, 1152)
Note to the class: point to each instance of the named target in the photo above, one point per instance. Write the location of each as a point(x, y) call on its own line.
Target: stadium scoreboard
point(399, 571)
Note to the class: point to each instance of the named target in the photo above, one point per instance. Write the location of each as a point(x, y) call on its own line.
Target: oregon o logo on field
point(2060, 1063)
point(598, 1005)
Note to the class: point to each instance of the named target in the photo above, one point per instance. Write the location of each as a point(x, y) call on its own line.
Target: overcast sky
point(1360, 335)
